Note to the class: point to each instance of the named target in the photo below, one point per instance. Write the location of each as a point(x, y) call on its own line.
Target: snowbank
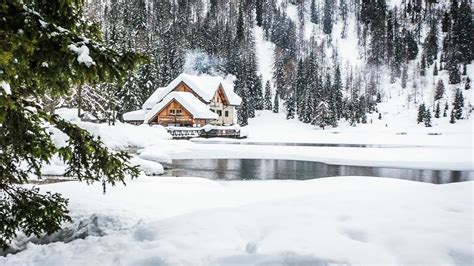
point(192, 221)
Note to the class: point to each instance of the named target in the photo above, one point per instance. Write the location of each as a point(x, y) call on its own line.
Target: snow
point(68, 114)
point(138, 115)
point(147, 166)
point(6, 87)
point(123, 136)
point(82, 53)
point(193, 221)
point(265, 55)
point(205, 86)
point(192, 104)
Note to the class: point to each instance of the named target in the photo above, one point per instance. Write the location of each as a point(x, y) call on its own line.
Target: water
point(267, 169)
point(304, 144)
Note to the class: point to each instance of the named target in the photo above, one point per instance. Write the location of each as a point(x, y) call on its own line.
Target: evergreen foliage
point(439, 91)
point(44, 45)
point(458, 104)
point(267, 103)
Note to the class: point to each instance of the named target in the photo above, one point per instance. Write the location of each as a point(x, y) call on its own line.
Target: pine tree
point(454, 75)
point(435, 69)
point(327, 17)
point(422, 66)
point(314, 12)
point(267, 104)
point(452, 120)
point(24, 136)
point(276, 106)
point(437, 111)
point(445, 112)
point(458, 104)
point(258, 94)
point(468, 84)
point(439, 92)
point(259, 12)
point(430, 46)
point(290, 107)
point(337, 93)
point(427, 118)
point(322, 116)
point(421, 113)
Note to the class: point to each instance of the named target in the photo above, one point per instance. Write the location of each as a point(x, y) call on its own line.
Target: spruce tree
point(468, 84)
point(47, 49)
point(421, 113)
point(427, 118)
point(322, 116)
point(314, 12)
point(327, 17)
point(259, 12)
point(452, 119)
point(276, 105)
point(267, 103)
point(446, 108)
point(435, 69)
point(439, 91)
point(290, 107)
point(458, 104)
point(437, 111)
point(454, 75)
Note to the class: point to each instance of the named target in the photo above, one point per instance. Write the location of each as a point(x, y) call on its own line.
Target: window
point(175, 112)
point(226, 113)
point(219, 112)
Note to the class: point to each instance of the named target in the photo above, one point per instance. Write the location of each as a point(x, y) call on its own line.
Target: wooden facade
point(174, 114)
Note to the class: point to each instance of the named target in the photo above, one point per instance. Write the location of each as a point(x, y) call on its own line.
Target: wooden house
point(180, 109)
point(190, 101)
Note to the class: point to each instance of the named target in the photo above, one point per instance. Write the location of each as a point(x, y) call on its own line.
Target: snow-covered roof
point(205, 86)
point(198, 109)
point(138, 115)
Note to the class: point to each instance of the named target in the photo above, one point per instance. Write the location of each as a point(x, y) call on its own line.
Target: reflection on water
point(265, 169)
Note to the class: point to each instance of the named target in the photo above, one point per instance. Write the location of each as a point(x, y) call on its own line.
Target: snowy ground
point(192, 221)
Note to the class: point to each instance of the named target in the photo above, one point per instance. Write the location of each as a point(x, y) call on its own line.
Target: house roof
point(138, 115)
point(198, 109)
point(205, 86)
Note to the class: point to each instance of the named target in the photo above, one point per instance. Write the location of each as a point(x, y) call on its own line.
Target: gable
point(174, 105)
point(183, 87)
point(220, 96)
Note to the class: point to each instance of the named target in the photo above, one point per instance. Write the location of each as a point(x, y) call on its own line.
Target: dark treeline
point(310, 81)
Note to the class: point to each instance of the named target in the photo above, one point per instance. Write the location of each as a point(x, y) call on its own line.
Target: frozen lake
point(267, 169)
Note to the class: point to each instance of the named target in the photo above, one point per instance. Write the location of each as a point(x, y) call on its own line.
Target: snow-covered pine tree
point(458, 104)
point(290, 106)
point(322, 117)
point(437, 110)
point(276, 103)
point(427, 118)
point(52, 34)
point(439, 91)
point(421, 113)
point(267, 103)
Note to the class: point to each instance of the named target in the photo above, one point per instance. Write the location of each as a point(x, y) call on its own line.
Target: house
point(180, 108)
point(190, 101)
